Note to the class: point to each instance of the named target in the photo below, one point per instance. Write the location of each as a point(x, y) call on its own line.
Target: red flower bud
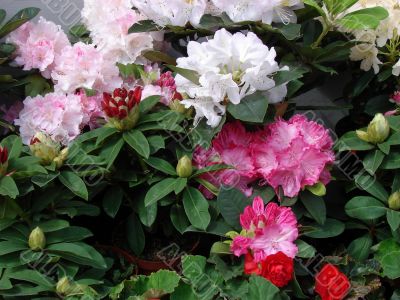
point(250, 266)
point(3, 155)
point(121, 102)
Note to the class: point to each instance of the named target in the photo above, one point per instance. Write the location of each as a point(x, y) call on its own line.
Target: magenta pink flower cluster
point(266, 231)
point(285, 154)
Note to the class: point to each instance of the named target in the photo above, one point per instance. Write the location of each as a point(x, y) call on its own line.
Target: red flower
point(250, 266)
point(3, 155)
point(121, 102)
point(331, 284)
point(278, 268)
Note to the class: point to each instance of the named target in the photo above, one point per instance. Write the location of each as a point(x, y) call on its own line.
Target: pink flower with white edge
point(38, 45)
point(56, 115)
point(230, 147)
point(266, 231)
point(293, 154)
point(84, 66)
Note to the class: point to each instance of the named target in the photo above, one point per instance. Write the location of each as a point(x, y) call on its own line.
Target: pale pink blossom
point(56, 115)
point(91, 109)
point(293, 154)
point(38, 45)
point(230, 147)
point(83, 66)
point(266, 231)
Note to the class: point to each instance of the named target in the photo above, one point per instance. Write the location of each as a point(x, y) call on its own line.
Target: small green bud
point(377, 132)
point(394, 201)
point(177, 106)
point(184, 167)
point(37, 240)
point(317, 189)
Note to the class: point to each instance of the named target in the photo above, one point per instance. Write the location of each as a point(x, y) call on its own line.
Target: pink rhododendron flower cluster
point(56, 115)
point(83, 66)
point(38, 45)
point(293, 154)
point(230, 147)
point(266, 231)
point(288, 154)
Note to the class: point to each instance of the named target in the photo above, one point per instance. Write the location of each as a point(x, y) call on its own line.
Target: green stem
point(324, 32)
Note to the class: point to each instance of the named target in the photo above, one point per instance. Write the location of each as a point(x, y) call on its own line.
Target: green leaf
point(144, 26)
point(19, 19)
point(79, 253)
point(394, 122)
point(53, 225)
point(135, 234)
point(231, 203)
point(184, 291)
point(315, 206)
point(44, 179)
point(112, 200)
point(339, 6)
point(161, 165)
point(393, 218)
point(193, 267)
point(163, 281)
point(261, 289)
point(250, 109)
point(148, 103)
point(156, 143)
point(373, 160)
point(69, 234)
point(3, 15)
point(368, 18)
point(180, 184)
point(196, 208)
point(138, 142)
point(365, 208)
point(350, 141)
point(391, 161)
point(360, 248)
point(111, 149)
point(105, 133)
point(34, 276)
point(178, 218)
point(388, 256)
point(147, 214)
point(290, 31)
point(282, 77)
point(202, 134)
point(7, 247)
point(372, 186)
point(305, 250)
point(74, 183)
point(159, 191)
point(331, 228)
point(8, 187)
point(315, 5)
point(220, 248)
point(157, 56)
point(14, 145)
point(190, 75)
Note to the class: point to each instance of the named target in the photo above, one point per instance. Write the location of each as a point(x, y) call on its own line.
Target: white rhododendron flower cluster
point(180, 12)
point(231, 67)
point(108, 22)
point(371, 40)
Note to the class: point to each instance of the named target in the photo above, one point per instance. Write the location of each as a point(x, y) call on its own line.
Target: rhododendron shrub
point(175, 128)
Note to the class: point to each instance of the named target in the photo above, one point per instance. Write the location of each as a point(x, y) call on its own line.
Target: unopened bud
point(377, 132)
point(394, 201)
point(184, 167)
point(45, 148)
point(61, 158)
point(317, 189)
point(37, 240)
point(177, 106)
point(3, 160)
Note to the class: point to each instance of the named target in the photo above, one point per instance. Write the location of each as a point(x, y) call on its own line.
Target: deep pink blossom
point(266, 231)
point(230, 147)
point(293, 154)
